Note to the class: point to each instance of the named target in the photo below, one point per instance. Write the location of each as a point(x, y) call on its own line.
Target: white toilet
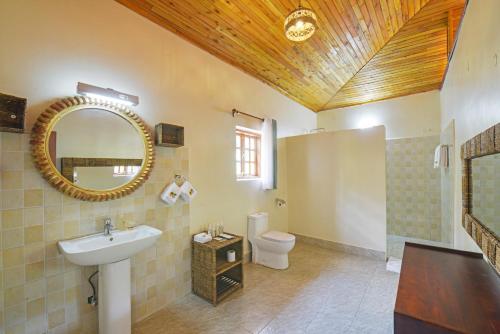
point(269, 248)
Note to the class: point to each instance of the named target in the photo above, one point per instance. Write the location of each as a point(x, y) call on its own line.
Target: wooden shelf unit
point(213, 278)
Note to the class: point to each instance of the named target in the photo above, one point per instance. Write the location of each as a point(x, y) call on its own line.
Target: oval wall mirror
point(91, 149)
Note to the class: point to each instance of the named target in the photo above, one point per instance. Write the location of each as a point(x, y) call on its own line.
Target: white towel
point(437, 156)
point(202, 237)
point(187, 191)
point(441, 156)
point(444, 156)
point(170, 194)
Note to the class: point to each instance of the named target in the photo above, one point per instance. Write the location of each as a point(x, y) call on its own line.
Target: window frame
point(243, 133)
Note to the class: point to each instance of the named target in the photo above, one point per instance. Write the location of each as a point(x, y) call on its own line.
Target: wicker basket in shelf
point(213, 278)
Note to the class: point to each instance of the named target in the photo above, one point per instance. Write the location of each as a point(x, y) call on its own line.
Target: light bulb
point(112, 99)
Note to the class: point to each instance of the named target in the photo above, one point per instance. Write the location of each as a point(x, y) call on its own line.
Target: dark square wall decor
point(169, 135)
point(12, 110)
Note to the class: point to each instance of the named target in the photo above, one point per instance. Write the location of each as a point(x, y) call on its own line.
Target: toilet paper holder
point(280, 203)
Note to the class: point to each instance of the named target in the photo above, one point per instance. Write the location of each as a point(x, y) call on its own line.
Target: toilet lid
point(278, 236)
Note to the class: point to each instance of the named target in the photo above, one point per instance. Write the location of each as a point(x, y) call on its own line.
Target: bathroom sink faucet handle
point(108, 227)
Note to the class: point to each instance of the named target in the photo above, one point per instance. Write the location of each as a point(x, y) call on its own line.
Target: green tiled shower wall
point(447, 186)
point(413, 188)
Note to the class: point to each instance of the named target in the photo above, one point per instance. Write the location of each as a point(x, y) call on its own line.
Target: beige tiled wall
point(41, 292)
point(413, 188)
point(486, 191)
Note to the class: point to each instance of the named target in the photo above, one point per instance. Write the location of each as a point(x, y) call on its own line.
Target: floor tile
point(323, 291)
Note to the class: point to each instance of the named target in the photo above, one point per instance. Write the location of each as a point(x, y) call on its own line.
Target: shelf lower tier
point(226, 286)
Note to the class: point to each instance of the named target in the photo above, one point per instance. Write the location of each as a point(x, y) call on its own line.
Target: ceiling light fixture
point(300, 24)
point(107, 94)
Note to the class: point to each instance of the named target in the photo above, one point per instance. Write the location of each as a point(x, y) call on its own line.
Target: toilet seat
point(277, 236)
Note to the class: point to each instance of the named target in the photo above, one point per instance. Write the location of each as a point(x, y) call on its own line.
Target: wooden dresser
point(446, 291)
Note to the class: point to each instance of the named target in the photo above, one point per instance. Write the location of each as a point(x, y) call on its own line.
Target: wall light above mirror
point(92, 149)
point(107, 94)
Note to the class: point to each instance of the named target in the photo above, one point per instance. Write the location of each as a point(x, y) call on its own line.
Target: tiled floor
point(322, 292)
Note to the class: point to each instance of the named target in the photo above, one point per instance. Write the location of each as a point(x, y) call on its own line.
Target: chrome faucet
point(108, 227)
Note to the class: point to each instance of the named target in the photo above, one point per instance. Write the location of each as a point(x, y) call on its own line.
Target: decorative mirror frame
point(485, 143)
point(40, 148)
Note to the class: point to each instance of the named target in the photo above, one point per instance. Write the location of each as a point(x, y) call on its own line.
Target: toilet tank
point(257, 224)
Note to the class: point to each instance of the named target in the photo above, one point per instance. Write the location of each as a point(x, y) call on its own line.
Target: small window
point(247, 153)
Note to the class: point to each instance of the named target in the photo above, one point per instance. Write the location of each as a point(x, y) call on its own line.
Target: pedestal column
point(114, 298)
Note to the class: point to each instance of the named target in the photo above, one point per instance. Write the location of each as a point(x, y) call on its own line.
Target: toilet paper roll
point(170, 194)
point(231, 255)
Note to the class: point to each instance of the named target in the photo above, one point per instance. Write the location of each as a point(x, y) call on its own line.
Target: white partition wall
point(336, 187)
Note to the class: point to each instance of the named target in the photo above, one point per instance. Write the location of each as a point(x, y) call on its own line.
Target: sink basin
point(112, 253)
point(98, 249)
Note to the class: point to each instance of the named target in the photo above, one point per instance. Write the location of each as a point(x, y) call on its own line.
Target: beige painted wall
point(404, 117)
point(51, 45)
point(336, 186)
point(471, 93)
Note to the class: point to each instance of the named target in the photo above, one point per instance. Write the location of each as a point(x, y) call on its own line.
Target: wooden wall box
point(12, 110)
point(169, 135)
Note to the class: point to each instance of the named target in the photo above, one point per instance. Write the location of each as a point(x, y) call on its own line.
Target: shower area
point(419, 196)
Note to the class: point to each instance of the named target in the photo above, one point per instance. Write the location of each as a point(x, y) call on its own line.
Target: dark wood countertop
point(446, 291)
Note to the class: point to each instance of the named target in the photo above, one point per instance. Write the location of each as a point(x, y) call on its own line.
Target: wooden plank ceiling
point(363, 51)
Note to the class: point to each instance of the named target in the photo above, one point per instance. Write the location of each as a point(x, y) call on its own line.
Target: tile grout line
point(323, 306)
point(362, 299)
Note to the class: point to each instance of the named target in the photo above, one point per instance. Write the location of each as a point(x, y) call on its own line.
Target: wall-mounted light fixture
point(107, 94)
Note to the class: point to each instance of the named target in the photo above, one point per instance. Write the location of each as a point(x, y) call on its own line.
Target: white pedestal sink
point(112, 253)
